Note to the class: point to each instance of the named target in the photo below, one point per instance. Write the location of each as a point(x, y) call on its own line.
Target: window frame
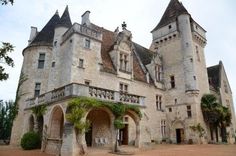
point(189, 111)
point(163, 128)
point(172, 82)
point(158, 73)
point(37, 89)
point(81, 63)
point(41, 60)
point(87, 43)
point(123, 87)
point(159, 102)
point(124, 62)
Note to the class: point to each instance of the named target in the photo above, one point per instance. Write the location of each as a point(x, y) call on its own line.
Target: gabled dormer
point(122, 53)
point(155, 69)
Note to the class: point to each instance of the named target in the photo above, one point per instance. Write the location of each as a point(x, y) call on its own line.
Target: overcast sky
point(218, 17)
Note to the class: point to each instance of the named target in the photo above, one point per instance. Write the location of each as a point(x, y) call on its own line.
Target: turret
point(62, 26)
point(187, 52)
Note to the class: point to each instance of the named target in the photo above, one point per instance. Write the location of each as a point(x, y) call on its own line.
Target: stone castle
point(166, 82)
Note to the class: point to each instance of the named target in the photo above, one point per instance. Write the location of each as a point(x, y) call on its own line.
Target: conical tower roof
point(65, 19)
point(173, 10)
point(45, 36)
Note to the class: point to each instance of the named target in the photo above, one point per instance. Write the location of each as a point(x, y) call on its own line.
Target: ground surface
point(158, 150)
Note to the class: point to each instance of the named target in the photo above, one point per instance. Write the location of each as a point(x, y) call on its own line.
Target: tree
point(39, 111)
point(7, 115)
point(4, 50)
point(215, 115)
point(5, 2)
point(224, 121)
point(5, 59)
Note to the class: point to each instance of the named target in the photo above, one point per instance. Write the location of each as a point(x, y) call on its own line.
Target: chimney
point(33, 33)
point(85, 18)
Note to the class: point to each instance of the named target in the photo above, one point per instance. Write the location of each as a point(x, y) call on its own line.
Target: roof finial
point(124, 25)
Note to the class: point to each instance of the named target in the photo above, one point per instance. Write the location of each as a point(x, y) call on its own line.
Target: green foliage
point(118, 109)
point(118, 123)
point(5, 2)
point(39, 110)
point(5, 59)
point(199, 129)
point(30, 140)
point(215, 114)
point(7, 115)
point(78, 107)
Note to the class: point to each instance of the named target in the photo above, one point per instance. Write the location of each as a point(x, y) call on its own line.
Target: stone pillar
point(113, 134)
point(137, 139)
point(69, 147)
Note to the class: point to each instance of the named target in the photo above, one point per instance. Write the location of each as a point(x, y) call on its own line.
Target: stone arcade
point(167, 81)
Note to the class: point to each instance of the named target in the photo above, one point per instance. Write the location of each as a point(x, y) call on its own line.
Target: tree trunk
point(116, 149)
point(211, 131)
point(216, 131)
point(82, 146)
point(223, 134)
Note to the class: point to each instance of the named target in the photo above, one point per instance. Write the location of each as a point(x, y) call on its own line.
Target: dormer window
point(158, 73)
point(124, 62)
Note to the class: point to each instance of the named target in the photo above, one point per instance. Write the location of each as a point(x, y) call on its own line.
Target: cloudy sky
point(141, 16)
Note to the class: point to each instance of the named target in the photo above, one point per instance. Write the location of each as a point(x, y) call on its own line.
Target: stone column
point(137, 139)
point(69, 147)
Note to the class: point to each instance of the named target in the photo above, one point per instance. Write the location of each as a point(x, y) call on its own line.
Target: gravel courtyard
point(158, 150)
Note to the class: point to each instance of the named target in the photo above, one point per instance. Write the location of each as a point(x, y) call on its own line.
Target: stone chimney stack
point(85, 18)
point(33, 33)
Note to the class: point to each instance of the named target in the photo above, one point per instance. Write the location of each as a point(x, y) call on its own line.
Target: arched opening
point(31, 123)
point(57, 123)
point(100, 132)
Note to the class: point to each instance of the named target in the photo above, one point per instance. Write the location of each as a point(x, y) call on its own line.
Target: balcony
point(76, 90)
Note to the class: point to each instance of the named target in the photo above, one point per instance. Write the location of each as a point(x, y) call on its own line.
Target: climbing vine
point(78, 107)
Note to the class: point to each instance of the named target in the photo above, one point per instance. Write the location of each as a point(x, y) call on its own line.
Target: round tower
point(184, 27)
point(34, 73)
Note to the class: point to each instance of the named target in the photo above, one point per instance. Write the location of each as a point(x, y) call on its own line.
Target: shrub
point(30, 140)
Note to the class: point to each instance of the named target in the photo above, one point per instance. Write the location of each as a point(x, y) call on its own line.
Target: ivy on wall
point(78, 107)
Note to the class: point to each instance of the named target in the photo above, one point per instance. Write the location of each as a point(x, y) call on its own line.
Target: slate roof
point(214, 76)
point(173, 10)
point(144, 54)
point(65, 20)
point(45, 36)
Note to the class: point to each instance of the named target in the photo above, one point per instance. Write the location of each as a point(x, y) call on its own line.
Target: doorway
point(88, 136)
point(124, 135)
point(179, 135)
